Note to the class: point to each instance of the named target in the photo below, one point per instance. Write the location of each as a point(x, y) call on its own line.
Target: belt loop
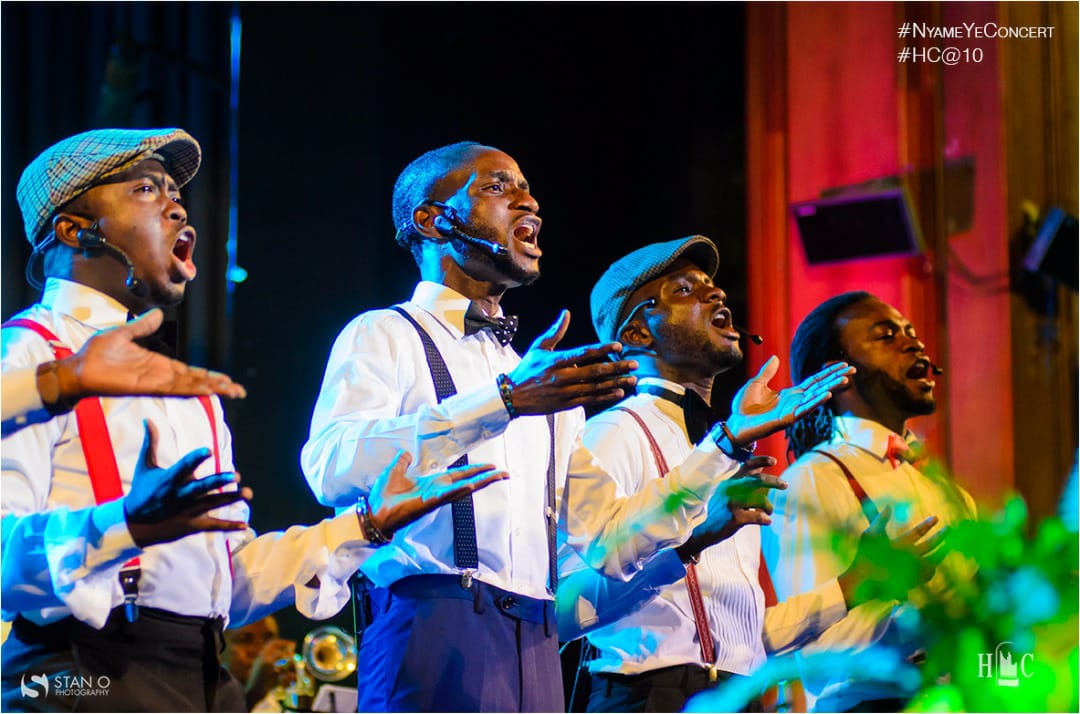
point(547, 620)
point(478, 605)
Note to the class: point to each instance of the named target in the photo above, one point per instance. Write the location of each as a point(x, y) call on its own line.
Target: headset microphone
point(447, 226)
point(756, 339)
point(92, 239)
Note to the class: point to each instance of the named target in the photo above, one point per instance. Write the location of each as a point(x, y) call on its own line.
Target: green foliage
point(997, 585)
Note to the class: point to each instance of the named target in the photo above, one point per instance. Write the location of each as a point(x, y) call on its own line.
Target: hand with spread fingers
point(165, 504)
point(757, 410)
point(397, 499)
point(548, 381)
point(878, 570)
point(738, 501)
point(111, 364)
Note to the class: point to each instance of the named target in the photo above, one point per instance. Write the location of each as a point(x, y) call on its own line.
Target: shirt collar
point(446, 305)
point(83, 303)
point(666, 384)
point(866, 434)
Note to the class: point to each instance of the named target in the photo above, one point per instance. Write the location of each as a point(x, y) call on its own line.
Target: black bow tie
point(502, 328)
point(163, 341)
point(698, 415)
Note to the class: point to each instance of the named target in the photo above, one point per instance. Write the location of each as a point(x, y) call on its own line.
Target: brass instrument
point(328, 655)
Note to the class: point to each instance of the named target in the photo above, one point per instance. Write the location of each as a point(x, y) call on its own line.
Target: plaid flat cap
point(74, 165)
point(628, 273)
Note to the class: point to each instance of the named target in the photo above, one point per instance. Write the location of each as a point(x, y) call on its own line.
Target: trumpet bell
point(329, 654)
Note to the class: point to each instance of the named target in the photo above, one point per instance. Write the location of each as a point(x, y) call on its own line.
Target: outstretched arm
point(110, 364)
point(377, 400)
point(310, 566)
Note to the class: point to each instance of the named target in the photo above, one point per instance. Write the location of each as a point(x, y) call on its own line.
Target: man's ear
point(636, 334)
point(423, 218)
point(66, 227)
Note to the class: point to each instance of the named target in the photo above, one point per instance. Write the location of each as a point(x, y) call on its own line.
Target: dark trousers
point(661, 690)
point(434, 646)
point(892, 704)
point(162, 662)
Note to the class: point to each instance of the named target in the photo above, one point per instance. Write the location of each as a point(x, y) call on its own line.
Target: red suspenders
point(101, 458)
point(868, 508)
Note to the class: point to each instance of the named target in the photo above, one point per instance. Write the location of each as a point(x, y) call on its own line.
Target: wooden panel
point(1040, 144)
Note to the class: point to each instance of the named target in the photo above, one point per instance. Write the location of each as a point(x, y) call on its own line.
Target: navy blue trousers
point(434, 646)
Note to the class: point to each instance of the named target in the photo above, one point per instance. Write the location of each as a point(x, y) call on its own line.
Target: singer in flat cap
point(462, 600)
point(695, 615)
point(120, 574)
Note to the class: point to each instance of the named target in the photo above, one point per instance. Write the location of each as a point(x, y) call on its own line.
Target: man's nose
point(915, 345)
point(715, 294)
point(177, 212)
point(526, 202)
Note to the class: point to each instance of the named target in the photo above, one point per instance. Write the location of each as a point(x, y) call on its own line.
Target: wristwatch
point(725, 441)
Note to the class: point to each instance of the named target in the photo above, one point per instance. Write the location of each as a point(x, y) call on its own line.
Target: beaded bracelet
point(371, 531)
point(506, 391)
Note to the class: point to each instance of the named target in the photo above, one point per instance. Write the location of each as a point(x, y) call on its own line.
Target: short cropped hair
point(416, 182)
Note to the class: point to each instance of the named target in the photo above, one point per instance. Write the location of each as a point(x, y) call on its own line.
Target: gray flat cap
point(72, 166)
point(628, 273)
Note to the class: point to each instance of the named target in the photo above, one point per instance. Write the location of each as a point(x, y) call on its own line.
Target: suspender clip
point(713, 674)
point(466, 579)
point(129, 583)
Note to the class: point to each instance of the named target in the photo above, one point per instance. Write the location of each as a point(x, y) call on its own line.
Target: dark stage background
point(627, 119)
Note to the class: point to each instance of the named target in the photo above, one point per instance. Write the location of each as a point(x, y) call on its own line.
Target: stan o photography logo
point(29, 691)
point(64, 685)
point(1003, 666)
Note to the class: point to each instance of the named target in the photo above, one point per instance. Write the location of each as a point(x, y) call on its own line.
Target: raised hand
point(878, 563)
point(757, 410)
point(396, 499)
point(111, 364)
point(741, 500)
point(166, 504)
point(548, 381)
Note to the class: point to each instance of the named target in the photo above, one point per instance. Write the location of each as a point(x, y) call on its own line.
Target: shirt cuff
point(664, 569)
point(703, 469)
point(481, 410)
point(349, 551)
point(85, 558)
point(833, 605)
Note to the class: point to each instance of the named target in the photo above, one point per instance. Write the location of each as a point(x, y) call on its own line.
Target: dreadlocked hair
point(817, 341)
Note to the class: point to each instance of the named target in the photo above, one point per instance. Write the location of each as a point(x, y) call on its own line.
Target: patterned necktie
point(502, 328)
point(898, 450)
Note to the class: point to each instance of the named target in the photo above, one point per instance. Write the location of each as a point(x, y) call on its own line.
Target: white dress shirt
point(648, 624)
point(62, 553)
point(377, 399)
point(816, 527)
